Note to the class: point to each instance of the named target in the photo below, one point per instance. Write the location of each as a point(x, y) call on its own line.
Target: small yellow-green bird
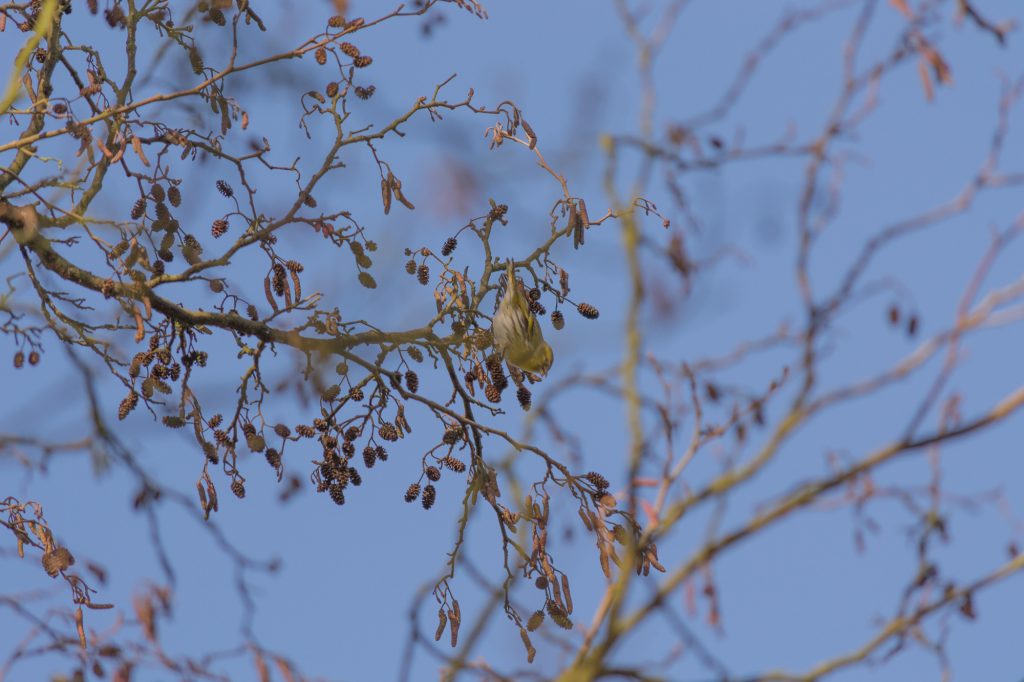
point(517, 334)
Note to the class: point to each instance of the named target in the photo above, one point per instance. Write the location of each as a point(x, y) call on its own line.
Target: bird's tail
point(511, 286)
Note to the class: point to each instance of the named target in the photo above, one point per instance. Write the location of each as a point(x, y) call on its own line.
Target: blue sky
point(799, 593)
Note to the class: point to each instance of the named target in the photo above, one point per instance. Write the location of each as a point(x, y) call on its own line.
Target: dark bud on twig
point(894, 315)
point(712, 392)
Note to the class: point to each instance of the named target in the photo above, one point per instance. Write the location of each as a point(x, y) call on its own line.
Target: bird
point(517, 334)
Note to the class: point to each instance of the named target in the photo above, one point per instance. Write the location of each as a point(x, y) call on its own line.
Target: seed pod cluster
point(558, 615)
point(429, 497)
point(388, 432)
point(498, 378)
point(597, 480)
point(454, 463)
point(139, 209)
point(497, 212)
point(535, 620)
point(127, 405)
point(452, 434)
point(524, 397)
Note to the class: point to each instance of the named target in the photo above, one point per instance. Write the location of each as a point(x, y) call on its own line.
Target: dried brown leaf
point(285, 669)
point(268, 290)
point(137, 148)
point(926, 80)
point(454, 628)
point(385, 193)
point(567, 593)
point(530, 651)
point(902, 7)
